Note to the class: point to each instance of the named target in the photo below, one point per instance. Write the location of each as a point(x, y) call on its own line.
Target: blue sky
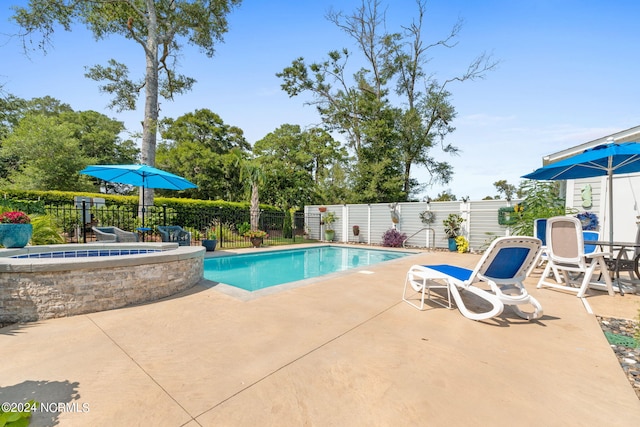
point(567, 74)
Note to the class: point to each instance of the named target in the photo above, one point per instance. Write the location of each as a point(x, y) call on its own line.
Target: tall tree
point(445, 196)
point(198, 146)
point(60, 135)
point(505, 188)
point(251, 174)
point(157, 26)
point(296, 164)
point(99, 139)
point(11, 108)
point(387, 139)
point(50, 166)
point(97, 135)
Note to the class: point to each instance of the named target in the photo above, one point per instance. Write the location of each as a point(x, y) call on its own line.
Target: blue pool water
point(252, 272)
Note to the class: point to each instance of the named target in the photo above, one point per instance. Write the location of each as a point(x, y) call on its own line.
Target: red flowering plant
point(15, 217)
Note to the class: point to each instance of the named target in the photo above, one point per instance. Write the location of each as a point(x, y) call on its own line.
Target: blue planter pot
point(209, 244)
point(452, 245)
point(15, 235)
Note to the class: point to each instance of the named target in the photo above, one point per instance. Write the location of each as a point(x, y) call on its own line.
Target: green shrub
point(243, 228)
point(542, 200)
point(17, 419)
point(287, 230)
point(46, 230)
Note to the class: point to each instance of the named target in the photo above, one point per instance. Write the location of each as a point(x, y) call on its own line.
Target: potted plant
point(452, 227)
point(256, 237)
point(328, 219)
point(210, 239)
point(15, 229)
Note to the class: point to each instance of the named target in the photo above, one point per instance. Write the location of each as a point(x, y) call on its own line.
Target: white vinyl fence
point(480, 226)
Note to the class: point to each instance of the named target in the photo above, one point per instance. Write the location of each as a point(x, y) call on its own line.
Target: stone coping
point(170, 252)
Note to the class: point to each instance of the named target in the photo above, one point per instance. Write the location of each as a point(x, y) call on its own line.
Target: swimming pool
point(253, 272)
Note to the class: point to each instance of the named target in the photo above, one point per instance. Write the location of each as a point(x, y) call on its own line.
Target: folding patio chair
point(567, 254)
point(503, 267)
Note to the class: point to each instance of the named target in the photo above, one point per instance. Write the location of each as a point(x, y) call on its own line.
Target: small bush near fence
point(393, 238)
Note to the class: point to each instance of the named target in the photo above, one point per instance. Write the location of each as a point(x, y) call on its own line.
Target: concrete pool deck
point(344, 351)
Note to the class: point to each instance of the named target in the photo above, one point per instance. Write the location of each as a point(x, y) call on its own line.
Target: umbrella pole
point(610, 177)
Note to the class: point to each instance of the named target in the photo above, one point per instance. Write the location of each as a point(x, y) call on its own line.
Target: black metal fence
point(227, 225)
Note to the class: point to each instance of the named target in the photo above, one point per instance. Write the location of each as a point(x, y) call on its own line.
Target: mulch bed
point(620, 334)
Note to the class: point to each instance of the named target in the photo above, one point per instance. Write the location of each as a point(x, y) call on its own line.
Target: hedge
point(67, 197)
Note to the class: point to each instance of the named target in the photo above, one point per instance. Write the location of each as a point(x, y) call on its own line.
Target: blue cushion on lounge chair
point(507, 263)
point(459, 273)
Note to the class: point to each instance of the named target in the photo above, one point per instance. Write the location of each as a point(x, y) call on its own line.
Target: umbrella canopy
point(602, 160)
point(140, 176)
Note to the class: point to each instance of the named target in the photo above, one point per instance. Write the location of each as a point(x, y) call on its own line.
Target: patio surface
point(343, 351)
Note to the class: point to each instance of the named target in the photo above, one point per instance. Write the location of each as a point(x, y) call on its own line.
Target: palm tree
point(251, 173)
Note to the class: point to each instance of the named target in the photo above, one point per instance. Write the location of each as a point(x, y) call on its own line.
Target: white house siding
point(626, 206)
point(626, 194)
point(574, 201)
point(626, 190)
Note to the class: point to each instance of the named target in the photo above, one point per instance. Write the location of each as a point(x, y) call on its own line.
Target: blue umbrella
point(140, 176)
point(602, 160)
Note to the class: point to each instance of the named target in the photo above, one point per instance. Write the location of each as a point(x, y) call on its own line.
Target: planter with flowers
point(15, 229)
point(256, 237)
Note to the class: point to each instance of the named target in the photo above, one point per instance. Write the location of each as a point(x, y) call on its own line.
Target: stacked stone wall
point(35, 295)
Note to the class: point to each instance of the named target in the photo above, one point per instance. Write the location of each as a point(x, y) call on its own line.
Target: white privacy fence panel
point(480, 225)
point(357, 215)
point(380, 222)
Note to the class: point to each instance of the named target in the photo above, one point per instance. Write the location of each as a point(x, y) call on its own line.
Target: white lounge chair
point(568, 255)
point(503, 267)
